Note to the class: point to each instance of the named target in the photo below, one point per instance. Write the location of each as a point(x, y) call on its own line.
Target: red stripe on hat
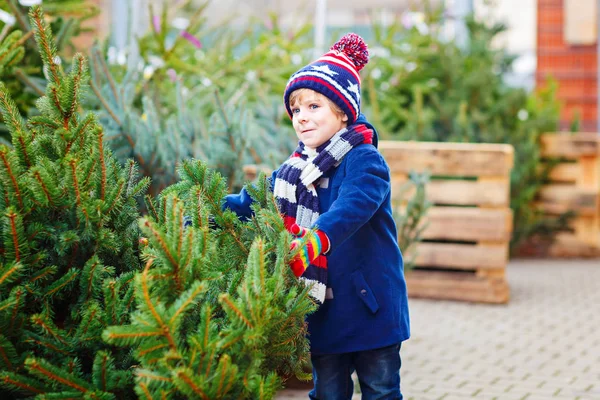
point(333, 89)
point(342, 61)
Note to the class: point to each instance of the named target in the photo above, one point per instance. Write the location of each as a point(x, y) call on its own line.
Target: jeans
point(378, 373)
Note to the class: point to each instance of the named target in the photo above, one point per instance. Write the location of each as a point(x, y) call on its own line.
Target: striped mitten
point(316, 245)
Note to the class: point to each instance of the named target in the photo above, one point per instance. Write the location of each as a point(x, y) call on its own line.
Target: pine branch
point(107, 75)
point(38, 177)
point(12, 216)
point(89, 119)
point(50, 346)
point(160, 240)
point(54, 374)
point(186, 377)
point(18, 294)
point(150, 305)
point(21, 19)
point(4, 354)
point(225, 300)
point(11, 273)
point(40, 321)
point(20, 382)
point(77, 76)
point(43, 37)
point(66, 280)
point(7, 304)
point(73, 164)
point(102, 165)
point(7, 166)
point(25, 79)
point(190, 299)
point(109, 110)
point(225, 368)
point(10, 112)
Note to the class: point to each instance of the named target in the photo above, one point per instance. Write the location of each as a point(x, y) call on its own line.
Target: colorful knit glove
point(316, 245)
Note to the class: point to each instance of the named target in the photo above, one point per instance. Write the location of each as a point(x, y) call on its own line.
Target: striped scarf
point(296, 193)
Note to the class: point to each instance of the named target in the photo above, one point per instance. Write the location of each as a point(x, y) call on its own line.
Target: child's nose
point(302, 116)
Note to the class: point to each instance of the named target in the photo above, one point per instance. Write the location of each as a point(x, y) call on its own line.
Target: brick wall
point(573, 66)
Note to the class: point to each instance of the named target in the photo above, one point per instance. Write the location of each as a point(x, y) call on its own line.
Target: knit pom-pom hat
point(334, 75)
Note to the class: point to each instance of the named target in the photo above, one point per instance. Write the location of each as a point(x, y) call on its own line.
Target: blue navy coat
point(369, 308)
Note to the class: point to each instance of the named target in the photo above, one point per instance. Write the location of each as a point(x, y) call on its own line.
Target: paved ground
point(545, 344)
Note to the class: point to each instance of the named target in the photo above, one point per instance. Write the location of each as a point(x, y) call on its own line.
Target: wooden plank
point(451, 159)
point(587, 229)
point(494, 193)
point(569, 245)
point(456, 286)
point(462, 256)
point(468, 224)
point(560, 198)
point(569, 145)
point(565, 172)
point(589, 177)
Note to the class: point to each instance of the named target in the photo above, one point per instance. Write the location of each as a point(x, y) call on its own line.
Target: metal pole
point(320, 27)
point(129, 20)
point(460, 10)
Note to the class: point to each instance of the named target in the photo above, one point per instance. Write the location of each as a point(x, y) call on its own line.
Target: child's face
point(313, 119)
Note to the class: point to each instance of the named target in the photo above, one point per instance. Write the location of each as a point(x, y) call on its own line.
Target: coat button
point(363, 292)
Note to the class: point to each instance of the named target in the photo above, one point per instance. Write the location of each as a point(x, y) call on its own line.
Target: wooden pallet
point(465, 251)
point(575, 186)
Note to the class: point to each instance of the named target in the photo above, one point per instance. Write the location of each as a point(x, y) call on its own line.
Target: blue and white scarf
point(296, 194)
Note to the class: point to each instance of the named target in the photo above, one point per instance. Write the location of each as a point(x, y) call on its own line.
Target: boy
point(338, 184)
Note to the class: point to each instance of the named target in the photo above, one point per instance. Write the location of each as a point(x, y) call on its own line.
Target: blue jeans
point(378, 373)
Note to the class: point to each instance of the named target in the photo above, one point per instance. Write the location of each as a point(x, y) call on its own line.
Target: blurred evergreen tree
point(25, 79)
point(226, 134)
point(421, 87)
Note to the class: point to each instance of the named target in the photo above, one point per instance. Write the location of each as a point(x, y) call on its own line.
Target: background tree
point(25, 81)
point(419, 86)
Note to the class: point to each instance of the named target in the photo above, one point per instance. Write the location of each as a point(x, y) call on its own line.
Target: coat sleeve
point(363, 190)
point(240, 203)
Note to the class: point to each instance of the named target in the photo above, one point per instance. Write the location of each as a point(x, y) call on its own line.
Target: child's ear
point(345, 118)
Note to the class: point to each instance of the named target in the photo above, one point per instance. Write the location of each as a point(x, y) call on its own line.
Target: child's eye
point(295, 110)
point(314, 106)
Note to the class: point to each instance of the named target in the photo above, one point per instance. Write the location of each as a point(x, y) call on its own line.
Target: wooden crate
point(575, 186)
point(465, 251)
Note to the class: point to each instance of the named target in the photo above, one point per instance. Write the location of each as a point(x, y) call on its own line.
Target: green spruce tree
point(224, 132)
point(219, 313)
point(25, 81)
point(68, 243)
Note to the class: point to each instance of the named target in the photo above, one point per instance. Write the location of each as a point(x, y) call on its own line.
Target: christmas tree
point(68, 243)
point(219, 313)
point(200, 122)
point(26, 80)
point(215, 313)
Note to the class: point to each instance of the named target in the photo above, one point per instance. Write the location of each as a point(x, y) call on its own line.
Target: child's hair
point(298, 94)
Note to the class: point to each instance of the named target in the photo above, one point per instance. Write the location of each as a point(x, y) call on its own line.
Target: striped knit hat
point(334, 75)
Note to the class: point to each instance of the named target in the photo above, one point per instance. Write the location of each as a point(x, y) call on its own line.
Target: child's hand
point(317, 244)
point(298, 231)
